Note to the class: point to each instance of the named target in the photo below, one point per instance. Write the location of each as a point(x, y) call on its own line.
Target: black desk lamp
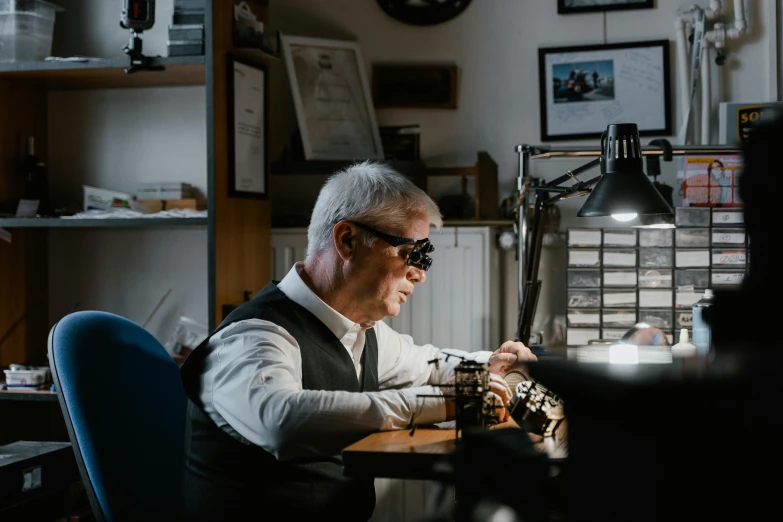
point(622, 191)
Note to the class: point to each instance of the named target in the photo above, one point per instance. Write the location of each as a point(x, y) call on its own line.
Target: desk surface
point(397, 454)
point(423, 456)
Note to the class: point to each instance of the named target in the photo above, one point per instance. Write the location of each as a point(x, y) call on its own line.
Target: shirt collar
point(297, 291)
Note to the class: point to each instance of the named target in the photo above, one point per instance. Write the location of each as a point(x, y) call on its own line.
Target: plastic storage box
point(26, 29)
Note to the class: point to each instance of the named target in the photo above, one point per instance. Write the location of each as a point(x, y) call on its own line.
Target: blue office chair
point(124, 407)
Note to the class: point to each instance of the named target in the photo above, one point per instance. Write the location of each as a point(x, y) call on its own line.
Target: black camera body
point(138, 15)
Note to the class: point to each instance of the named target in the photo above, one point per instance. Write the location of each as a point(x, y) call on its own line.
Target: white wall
point(495, 45)
point(494, 42)
point(114, 139)
point(92, 28)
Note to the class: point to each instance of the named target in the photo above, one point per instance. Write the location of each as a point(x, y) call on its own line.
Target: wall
point(495, 45)
point(113, 139)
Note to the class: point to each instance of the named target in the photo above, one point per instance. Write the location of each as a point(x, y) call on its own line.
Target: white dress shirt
point(252, 383)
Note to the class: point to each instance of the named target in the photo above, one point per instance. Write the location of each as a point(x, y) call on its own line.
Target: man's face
point(380, 278)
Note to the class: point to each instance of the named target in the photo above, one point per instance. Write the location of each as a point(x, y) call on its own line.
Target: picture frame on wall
point(248, 128)
point(583, 89)
point(414, 85)
point(332, 98)
point(595, 6)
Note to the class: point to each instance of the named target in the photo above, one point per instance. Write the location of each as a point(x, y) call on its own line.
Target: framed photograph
point(248, 124)
point(332, 98)
point(584, 88)
point(592, 6)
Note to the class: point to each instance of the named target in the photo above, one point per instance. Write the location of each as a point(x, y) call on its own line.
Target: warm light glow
point(624, 217)
point(623, 354)
point(657, 225)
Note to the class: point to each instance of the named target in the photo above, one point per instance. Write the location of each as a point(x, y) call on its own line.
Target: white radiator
point(288, 247)
point(452, 308)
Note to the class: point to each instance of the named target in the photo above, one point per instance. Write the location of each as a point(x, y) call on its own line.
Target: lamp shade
point(623, 188)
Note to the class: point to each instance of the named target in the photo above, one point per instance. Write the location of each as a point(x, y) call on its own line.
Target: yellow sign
point(748, 117)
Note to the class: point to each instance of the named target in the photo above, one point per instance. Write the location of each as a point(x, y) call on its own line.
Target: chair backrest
point(124, 407)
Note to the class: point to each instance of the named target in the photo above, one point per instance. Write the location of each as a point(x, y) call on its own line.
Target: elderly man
point(308, 366)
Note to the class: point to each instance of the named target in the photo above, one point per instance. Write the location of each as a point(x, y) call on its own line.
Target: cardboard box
point(191, 203)
point(153, 205)
point(159, 205)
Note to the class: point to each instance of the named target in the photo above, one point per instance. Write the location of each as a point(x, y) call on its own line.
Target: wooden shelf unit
point(485, 179)
point(238, 230)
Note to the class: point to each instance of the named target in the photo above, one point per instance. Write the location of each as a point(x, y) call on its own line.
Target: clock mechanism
point(534, 407)
point(423, 12)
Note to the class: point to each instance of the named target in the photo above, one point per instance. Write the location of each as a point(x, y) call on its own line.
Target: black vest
point(226, 479)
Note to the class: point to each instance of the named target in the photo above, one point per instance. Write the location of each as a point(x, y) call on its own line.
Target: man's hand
point(647, 336)
point(500, 393)
point(511, 355)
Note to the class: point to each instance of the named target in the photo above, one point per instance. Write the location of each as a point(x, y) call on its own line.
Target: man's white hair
point(371, 193)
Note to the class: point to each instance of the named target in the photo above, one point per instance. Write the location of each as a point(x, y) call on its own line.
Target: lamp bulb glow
point(660, 225)
point(624, 217)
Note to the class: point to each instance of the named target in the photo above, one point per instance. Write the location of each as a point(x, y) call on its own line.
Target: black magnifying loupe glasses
point(417, 257)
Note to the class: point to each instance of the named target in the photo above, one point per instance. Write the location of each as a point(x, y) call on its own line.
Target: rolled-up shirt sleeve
point(253, 386)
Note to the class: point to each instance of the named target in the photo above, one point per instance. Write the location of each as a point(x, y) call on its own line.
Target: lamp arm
point(532, 289)
point(572, 174)
point(531, 235)
point(578, 189)
point(523, 221)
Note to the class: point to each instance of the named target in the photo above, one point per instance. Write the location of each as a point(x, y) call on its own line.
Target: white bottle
point(684, 348)
point(702, 333)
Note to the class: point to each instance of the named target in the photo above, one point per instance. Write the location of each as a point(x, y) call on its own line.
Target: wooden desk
point(395, 454)
point(423, 456)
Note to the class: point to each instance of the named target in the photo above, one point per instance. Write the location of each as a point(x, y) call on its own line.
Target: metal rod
point(536, 243)
point(536, 236)
point(571, 191)
point(680, 150)
point(524, 171)
point(532, 286)
point(561, 189)
point(573, 173)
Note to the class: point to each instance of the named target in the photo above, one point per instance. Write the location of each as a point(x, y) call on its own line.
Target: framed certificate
point(332, 99)
point(248, 173)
